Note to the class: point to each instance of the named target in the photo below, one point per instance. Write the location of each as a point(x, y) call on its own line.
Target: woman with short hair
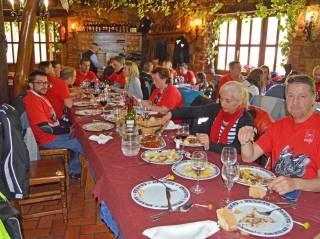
point(224, 119)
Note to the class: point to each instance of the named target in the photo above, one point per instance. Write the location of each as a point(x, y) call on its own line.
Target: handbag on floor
point(10, 226)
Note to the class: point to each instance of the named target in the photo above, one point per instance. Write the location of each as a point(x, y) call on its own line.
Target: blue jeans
point(64, 141)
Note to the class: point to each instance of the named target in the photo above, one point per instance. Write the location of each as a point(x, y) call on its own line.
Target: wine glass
point(199, 163)
point(103, 99)
point(229, 155)
point(181, 135)
point(230, 174)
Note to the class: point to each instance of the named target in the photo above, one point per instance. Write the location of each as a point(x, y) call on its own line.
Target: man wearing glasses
point(45, 125)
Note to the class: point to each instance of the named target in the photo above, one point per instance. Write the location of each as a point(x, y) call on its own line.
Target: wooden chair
point(49, 172)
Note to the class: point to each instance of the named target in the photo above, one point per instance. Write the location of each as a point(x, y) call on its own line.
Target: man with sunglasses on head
point(49, 133)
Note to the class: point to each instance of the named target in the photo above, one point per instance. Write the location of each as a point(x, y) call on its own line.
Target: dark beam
point(4, 89)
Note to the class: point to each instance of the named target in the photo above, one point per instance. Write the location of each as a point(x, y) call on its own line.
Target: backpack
point(14, 155)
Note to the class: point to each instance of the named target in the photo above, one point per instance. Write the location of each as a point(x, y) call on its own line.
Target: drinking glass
point(229, 155)
point(230, 174)
point(103, 99)
point(181, 135)
point(199, 163)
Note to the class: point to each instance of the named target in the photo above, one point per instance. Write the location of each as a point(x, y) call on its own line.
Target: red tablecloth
point(116, 175)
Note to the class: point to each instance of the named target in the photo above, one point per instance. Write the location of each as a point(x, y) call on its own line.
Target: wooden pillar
point(25, 46)
point(4, 89)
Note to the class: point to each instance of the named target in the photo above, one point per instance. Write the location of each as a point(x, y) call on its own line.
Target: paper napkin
point(101, 138)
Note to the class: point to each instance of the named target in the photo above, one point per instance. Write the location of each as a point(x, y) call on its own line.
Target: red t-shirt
point(118, 77)
point(188, 77)
point(318, 92)
point(224, 79)
point(57, 94)
point(90, 76)
point(170, 98)
point(39, 110)
point(293, 147)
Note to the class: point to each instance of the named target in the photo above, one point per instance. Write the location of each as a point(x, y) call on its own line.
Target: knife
point(168, 193)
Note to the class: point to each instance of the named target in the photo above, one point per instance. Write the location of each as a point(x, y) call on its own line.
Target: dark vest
point(88, 54)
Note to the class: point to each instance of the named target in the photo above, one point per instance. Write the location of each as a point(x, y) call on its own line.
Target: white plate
point(184, 170)
point(87, 112)
point(97, 126)
point(190, 145)
point(152, 194)
point(281, 221)
point(84, 103)
point(110, 118)
point(162, 145)
point(268, 175)
point(172, 126)
point(168, 156)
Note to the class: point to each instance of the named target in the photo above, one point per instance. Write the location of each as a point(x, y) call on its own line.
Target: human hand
point(166, 119)
point(283, 184)
point(246, 134)
point(204, 140)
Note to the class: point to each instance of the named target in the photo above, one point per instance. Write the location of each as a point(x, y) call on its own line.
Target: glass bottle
point(131, 114)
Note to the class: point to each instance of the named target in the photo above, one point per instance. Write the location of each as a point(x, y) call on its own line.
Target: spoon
point(183, 208)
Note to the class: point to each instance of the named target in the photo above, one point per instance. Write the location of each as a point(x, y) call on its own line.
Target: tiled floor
point(84, 221)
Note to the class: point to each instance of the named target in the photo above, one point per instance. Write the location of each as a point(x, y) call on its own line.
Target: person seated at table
point(165, 96)
point(83, 73)
point(91, 54)
point(168, 65)
point(133, 85)
point(57, 67)
point(188, 75)
point(266, 79)
point(292, 141)
point(233, 75)
point(316, 78)
point(223, 120)
point(117, 78)
point(47, 67)
point(59, 95)
point(68, 74)
point(146, 80)
point(253, 82)
point(49, 133)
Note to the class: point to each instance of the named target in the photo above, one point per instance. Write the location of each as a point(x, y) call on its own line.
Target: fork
point(160, 181)
point(268, 213)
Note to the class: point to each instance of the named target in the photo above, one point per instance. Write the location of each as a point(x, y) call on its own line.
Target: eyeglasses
point(44, 83)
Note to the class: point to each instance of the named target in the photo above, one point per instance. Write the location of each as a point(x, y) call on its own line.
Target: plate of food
point(97, 126)
point(167, 156)
point(87, 112)
point(251, 175)
point(184, 169)
point(278, 223)
point(191, 141)
point(152, 194)
point(110, 117)
point(152, 142)
point(84, 103)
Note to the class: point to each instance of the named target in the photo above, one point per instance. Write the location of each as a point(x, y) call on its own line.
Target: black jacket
point(88, 54)
point(211, 111)
point(181, 51)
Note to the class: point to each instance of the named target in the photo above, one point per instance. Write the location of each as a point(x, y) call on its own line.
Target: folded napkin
point(172, 125)
point(193, 230)
point(101, 138)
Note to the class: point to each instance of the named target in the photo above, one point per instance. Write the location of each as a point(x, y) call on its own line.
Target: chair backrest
point(274, 106)
point(262, 119)
point(188, 95)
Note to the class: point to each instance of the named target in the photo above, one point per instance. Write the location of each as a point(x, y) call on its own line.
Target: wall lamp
point(196, 26)
point(16, 9)
point(310, 19)
point(44, 14)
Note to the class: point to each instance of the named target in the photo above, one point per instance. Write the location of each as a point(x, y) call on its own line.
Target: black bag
point(10, 218)
point(14, 155)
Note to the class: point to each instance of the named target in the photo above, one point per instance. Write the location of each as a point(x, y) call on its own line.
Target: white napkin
point(172, 125)
point(101, 138)
point(193, 230)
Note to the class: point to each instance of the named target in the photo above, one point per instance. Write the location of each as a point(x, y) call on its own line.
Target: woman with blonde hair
point(223, 120)
point(133, 84)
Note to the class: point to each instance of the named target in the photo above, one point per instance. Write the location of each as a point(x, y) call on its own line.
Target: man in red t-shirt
point(292, 141)
point(316, 77)
point(234, 74)
point(84, 73)
point(117, 78)
point(49, 133)
point(188, 75)
point(165, 96)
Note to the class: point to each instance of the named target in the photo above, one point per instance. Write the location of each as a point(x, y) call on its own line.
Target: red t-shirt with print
point(90, 76)
point(294, 147)
point(39, 110)
point(188, 77)
point(118, 77)
point(171, 97)
point(57, 94)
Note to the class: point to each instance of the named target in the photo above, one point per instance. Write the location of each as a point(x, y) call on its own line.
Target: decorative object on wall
point(63, 34)
point(196, 25)
point(16, 9)
point(44, 11)
point(310, 20)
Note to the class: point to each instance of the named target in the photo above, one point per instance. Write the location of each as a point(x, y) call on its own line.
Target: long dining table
point(116, 175)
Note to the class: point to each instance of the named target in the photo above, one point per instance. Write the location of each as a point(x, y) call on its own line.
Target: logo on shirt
point(290, 164)
point(309, 136)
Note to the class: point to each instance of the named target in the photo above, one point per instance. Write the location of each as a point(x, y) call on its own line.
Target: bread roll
point(257, 191)
point(226, 219)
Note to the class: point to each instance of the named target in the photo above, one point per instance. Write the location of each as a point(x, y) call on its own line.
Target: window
point(45, 37)
point(253, 42)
